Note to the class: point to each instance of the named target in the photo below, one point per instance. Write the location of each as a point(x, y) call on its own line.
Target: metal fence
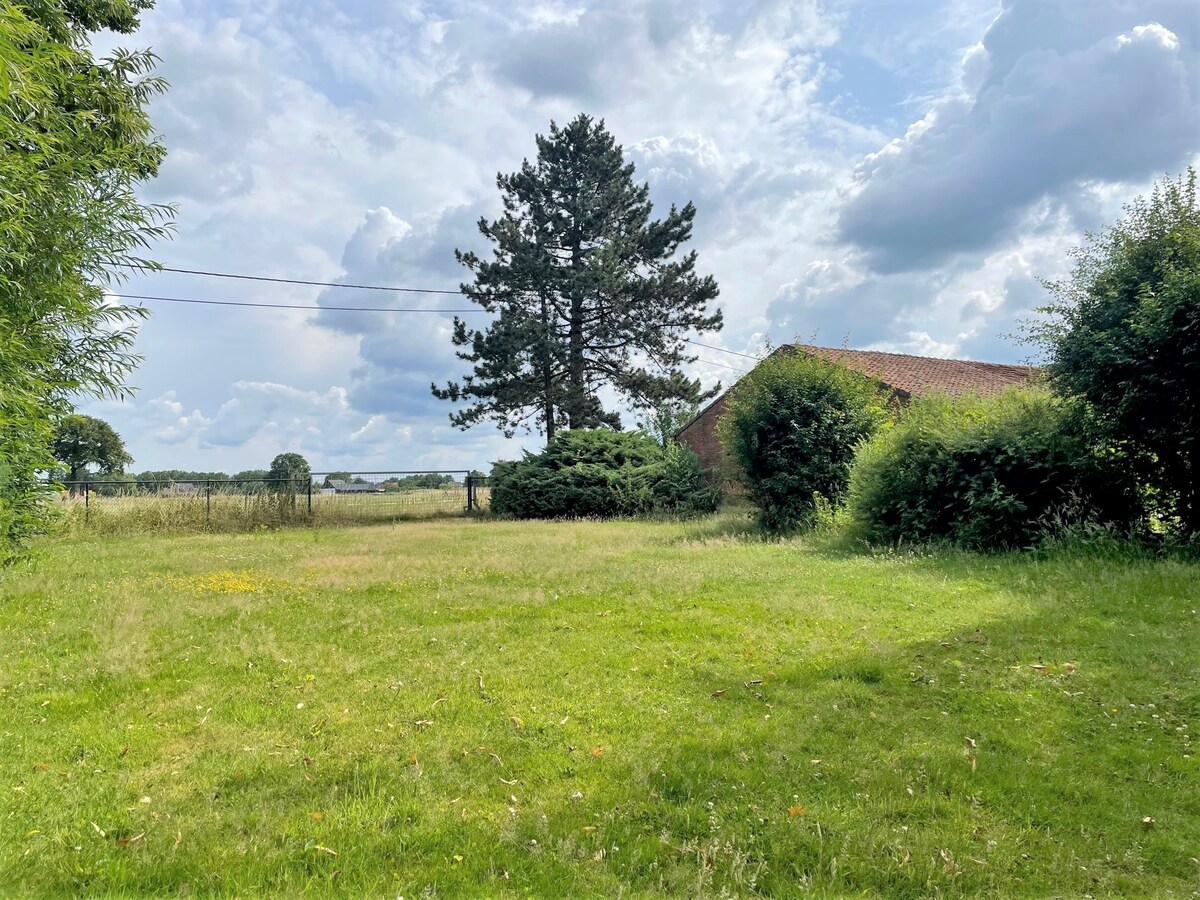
point(323, 498)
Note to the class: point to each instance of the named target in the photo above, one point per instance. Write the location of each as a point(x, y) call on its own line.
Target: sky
point(884, 174)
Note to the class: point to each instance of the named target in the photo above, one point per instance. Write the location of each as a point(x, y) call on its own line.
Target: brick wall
point(701, 437)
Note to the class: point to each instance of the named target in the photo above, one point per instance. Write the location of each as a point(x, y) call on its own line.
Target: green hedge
point(601, 474)
point(985, 474)
point(791, 426)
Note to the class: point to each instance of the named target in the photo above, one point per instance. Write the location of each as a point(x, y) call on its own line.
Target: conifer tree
point(587, 290)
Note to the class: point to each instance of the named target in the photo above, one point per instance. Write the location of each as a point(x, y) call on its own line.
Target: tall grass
point(233, 512)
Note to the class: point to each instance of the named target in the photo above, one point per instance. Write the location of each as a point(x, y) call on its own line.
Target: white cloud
point(1055, 98)
point(1151, 32)
point(358, 141)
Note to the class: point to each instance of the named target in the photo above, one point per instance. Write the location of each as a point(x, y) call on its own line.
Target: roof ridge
point(957, 359)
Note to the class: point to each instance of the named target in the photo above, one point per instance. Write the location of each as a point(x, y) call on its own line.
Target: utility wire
point(383, 309)
point(357, 287)
point(349, 309)
point(723, 350)
point(331, 284)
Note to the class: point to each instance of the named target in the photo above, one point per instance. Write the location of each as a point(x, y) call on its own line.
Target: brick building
point(908, 376)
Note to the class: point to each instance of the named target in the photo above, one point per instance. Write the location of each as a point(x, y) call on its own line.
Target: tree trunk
point(1189, 512)
point(547, 374)
point(576, 390)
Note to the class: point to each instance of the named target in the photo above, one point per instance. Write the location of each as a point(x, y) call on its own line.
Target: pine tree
point(586, 293)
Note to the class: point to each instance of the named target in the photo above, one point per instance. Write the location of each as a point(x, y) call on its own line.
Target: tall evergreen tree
point(586, 291)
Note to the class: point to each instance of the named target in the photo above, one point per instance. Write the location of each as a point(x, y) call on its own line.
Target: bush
point(792, 425)
point(985, 474)
point(1122, 334)
point(601, 474)
point(678, 485)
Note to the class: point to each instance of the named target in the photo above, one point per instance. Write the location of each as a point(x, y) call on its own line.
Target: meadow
point(233, 510)
point(471, 707)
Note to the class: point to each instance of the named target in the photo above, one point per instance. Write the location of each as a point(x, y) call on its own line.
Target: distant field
point(480, 708)
point(238, 511)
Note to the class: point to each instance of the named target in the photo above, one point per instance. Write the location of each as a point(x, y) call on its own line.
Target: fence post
point(87, 502)
point(470, 492)
point(208, 503)
point(310, 497)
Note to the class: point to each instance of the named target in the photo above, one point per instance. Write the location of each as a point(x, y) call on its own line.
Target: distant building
point(906, 376)
point(350, 487)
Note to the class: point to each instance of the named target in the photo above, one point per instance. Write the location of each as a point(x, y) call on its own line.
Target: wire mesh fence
point(323, 498)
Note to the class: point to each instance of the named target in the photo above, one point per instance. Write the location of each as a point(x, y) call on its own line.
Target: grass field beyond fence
point(223, 509)
point(481, 708)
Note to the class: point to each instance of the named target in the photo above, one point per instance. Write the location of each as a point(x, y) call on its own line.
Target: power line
point(723, 350)
point(383, 309)
point(331, 284)
point(709, 362)
point(357, 287)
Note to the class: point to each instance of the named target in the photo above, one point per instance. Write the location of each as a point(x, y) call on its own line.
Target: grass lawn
point(484, 708)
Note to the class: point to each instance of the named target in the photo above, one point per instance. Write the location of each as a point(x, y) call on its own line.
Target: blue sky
point(885, 174)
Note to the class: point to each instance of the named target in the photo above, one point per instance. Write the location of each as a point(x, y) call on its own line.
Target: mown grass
point(482, 708)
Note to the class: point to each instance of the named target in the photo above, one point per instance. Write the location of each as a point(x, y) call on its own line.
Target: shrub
point(601, 474)
point(678, 485)
point(1122, 334)
point(985, 474)
point(791, 426)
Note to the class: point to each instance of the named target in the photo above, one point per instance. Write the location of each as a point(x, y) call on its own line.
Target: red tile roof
point(916, 375)
point(908, 375)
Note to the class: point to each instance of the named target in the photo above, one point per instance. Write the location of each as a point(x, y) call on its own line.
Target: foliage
point(423, 481)
point(75, 143)
point(586, 291)
point(114, 484)
point(600, 474)
point(82, 441)
point(156, 477)
point(154, 481)
point(249, 481)
point(791, 426)
point(247, 475)
point(986, 474)
point(290, 467)
point(677, 485)
point(648, 684)
point(1123, 336)
point(663, 421)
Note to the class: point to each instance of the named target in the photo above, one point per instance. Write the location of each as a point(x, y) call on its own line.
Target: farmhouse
point(907, 376)
point(354, 487)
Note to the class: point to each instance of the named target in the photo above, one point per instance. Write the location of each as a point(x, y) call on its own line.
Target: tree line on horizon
point(286, 469)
